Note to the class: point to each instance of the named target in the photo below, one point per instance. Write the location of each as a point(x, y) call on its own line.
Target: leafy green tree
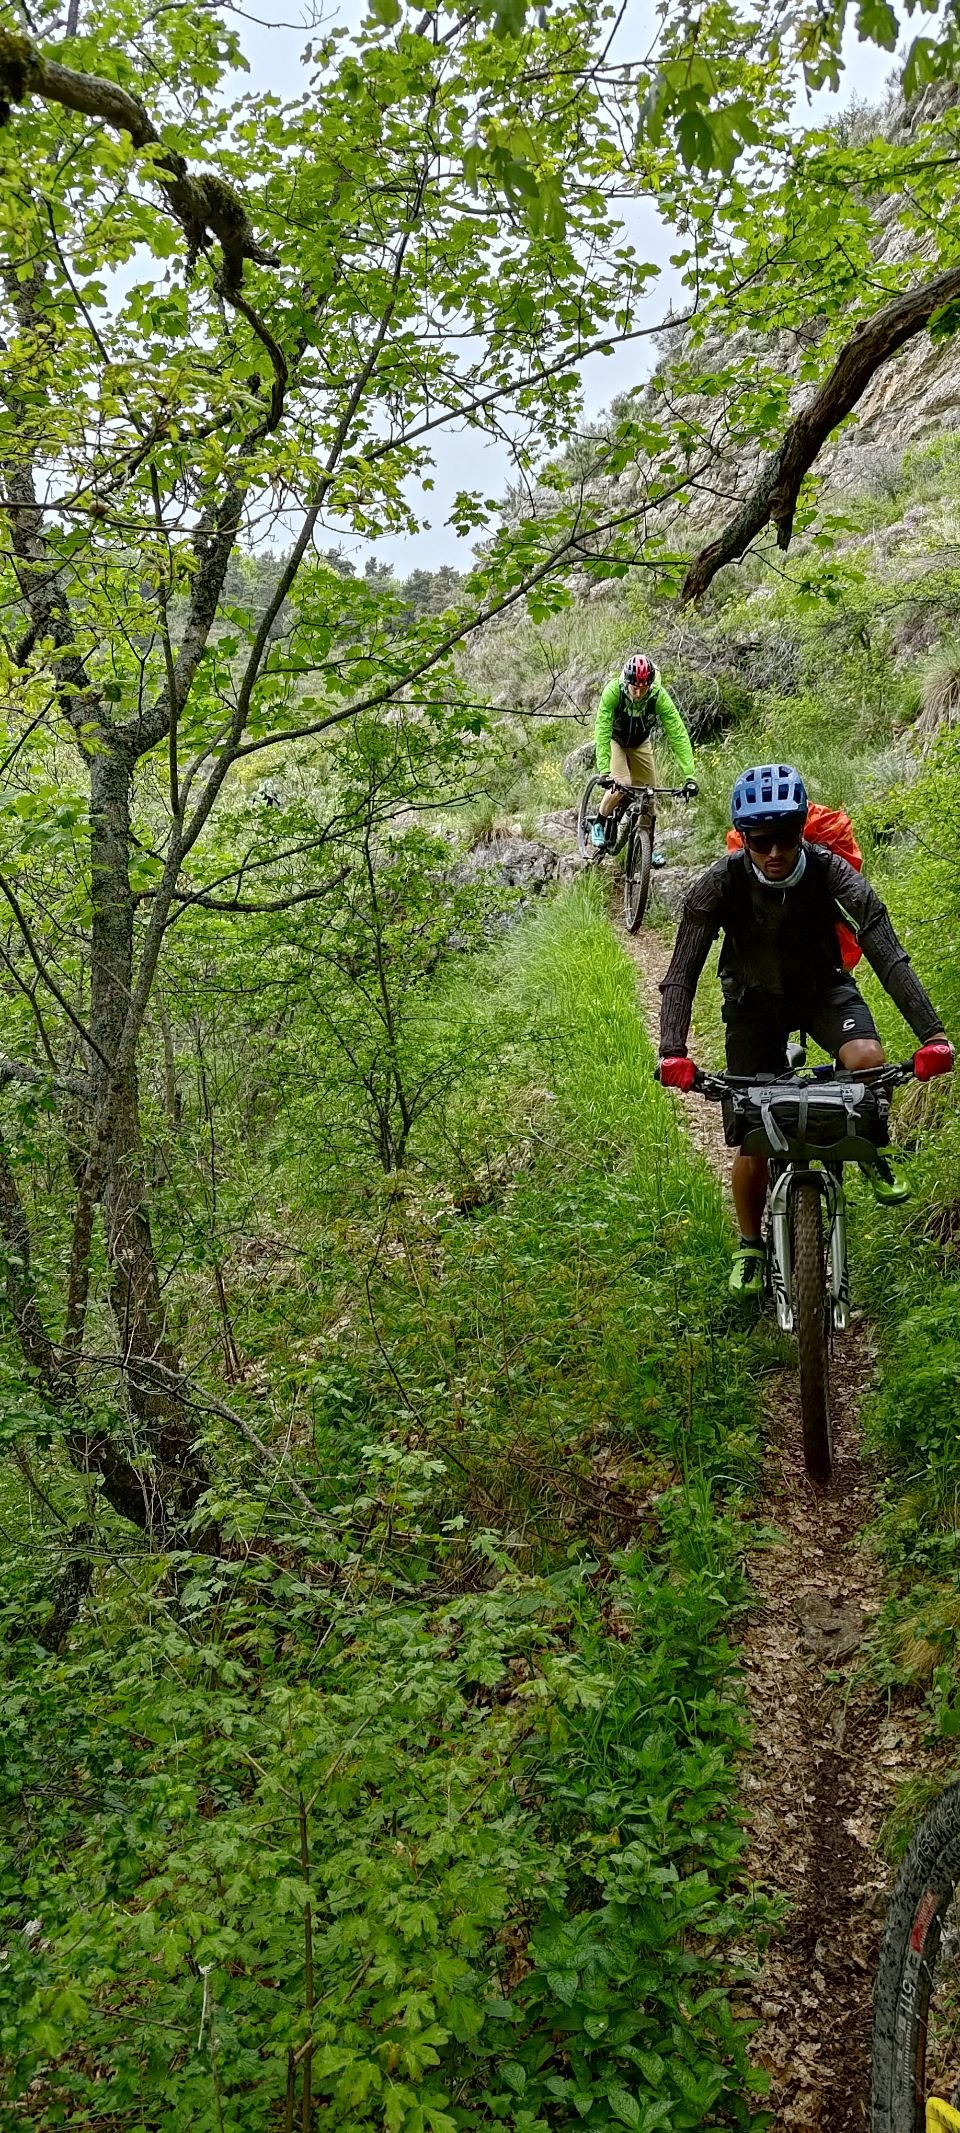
point(429, 592)
point(194, 355)
point(400, 914)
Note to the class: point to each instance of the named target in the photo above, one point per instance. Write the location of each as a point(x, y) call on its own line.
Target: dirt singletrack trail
point(828, 1751)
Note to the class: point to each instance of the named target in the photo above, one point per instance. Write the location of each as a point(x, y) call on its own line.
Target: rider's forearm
point(676, 733)
point(888, 957)
point(675, 1013)
point(857, 901)
point(694, 939)
point(603, 729)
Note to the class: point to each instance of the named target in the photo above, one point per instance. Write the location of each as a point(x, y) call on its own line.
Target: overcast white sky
point(274, 44)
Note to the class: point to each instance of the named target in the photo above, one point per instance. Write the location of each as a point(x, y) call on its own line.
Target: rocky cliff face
point(917, 394)
point(913, 397)
point(719, 670)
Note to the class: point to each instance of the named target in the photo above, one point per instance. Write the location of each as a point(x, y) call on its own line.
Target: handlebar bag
point(844, 1122)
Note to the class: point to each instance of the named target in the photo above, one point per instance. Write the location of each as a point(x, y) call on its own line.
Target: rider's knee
point(861, 1053)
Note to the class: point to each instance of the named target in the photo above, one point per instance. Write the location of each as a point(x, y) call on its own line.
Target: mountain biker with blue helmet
point(632, 703)
point(777, 901)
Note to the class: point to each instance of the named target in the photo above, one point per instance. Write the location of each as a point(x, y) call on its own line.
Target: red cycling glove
point(936, 1057)
point(680, 1073)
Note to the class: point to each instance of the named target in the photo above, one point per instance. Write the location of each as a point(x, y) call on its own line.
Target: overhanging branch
point(773, 498)
point(205, 206)
point(238, 903)
point(34, 1078)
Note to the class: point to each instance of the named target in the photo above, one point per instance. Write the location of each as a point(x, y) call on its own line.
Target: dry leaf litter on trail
point(828, 1750)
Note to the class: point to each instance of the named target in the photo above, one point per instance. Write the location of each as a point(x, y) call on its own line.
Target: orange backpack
point(830, 827)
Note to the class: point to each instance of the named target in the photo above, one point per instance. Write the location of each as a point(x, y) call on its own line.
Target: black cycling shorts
point(757, 1029)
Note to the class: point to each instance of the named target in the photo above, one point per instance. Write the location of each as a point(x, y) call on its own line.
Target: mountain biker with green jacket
point(631, 704)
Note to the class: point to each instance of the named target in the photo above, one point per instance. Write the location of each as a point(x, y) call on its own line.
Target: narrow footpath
point(828, 1751)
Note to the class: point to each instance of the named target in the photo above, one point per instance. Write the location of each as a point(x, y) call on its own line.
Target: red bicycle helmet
point(638, 671)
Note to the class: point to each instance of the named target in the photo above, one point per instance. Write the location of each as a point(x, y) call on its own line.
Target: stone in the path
point(830, 1629)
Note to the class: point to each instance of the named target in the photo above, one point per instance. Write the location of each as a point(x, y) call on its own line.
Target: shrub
point(430, 1799)
point(939, 690)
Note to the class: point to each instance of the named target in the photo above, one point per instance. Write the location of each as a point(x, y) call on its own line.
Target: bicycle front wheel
point(636, 877)
point(586, 817)
point(916, 2007)
point(810, 1319)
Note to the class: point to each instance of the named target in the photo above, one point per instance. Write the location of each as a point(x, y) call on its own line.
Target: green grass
point(854, 630)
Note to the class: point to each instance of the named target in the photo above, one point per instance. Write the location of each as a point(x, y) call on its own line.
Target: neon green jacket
point(615, 711)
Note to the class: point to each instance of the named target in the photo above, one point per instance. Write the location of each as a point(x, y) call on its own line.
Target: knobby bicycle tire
point(636, 878)
point(585, 814)
point(810, 1321)
point(916, 2049)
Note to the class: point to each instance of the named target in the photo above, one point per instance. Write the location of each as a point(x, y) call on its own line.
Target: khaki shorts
point(632, 766)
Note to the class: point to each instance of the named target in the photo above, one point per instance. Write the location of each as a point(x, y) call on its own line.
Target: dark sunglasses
point(764, 841)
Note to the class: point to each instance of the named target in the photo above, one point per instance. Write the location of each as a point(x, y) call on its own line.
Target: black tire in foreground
point(586, 816)
point(916, 2007)
point(636, 877)
point(810, 1321)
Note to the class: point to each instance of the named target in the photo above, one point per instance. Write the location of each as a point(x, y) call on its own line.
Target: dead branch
point(44, 972)
point(773, 498)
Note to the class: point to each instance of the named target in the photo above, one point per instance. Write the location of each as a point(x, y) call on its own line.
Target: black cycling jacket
point(782, 943)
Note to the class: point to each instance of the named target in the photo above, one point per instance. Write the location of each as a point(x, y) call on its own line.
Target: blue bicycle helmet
point(770, 793)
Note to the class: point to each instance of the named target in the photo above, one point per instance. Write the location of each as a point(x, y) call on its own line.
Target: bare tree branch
point(43, 971)
point(213, 545)
point(34, 1077)
point(246, 904)
point(42, 589)
point(201, 1402)
point(277, 358)
point(773, 498)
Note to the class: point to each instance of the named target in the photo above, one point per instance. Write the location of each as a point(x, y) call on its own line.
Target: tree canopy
point(194, 358)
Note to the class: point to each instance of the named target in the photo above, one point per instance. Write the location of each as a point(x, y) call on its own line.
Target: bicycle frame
point(805, 1148)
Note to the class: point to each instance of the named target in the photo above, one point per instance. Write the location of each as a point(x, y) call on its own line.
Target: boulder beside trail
point(669, 889)
point(519, 862)
point(562, 823)
point(579, 763)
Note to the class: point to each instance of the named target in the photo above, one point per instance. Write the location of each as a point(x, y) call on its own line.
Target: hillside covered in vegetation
point(385, 1477)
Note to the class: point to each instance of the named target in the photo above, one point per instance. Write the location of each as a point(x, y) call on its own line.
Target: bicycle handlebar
point(715, 1086)
point(651, 792)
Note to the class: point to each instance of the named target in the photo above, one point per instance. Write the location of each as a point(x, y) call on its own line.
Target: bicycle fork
point(830, 1183)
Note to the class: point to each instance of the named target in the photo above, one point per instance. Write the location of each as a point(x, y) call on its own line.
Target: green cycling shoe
point(748, 1272)
point(885, 1185)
